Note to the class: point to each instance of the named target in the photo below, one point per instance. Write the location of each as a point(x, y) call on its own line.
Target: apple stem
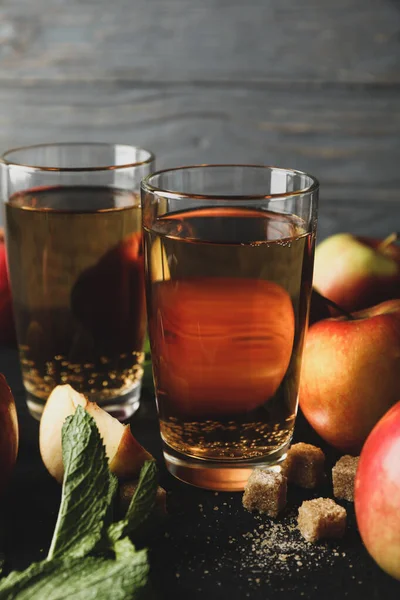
point(339, 309)
point(391, 239)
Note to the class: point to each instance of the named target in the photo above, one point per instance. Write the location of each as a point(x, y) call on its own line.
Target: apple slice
point(126, 456)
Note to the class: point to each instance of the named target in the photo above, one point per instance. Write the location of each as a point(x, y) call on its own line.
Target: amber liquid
point(228, 294)
point(76, 268)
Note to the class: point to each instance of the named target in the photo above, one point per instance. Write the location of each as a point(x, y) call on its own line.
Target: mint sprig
point(87, 491)
point(82, 579)
point(141, 505)
point(89, 558)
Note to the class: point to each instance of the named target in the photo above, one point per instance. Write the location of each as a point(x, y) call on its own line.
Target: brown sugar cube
point(321, 518)
point(265, 491)
point(343, 476)
point(304, 465)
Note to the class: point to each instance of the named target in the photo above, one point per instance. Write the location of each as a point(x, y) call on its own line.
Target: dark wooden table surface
point(209, 546)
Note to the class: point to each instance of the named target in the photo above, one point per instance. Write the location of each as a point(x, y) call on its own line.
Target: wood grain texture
point(345, 139)
point(308, 84)
point(314, 41)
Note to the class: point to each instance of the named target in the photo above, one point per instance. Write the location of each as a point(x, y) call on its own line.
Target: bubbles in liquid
point(77, 268)
point(218, 331)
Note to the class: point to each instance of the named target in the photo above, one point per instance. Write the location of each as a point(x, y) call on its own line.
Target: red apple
point(7, 329)
point(8, 433)
point(357, 272)
point(109, 300)
point(377, 493)
point(220, 346)
point(351, 374)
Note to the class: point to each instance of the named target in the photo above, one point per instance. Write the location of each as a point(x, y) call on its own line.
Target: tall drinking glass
point(74, 246)
point(229, 262)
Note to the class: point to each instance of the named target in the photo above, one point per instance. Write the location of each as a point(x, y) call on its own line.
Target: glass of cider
point(229, 255)
point(74, 245)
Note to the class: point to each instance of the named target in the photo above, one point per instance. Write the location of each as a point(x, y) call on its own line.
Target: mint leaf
point(112, 491)
point(141, 505)
point(87, 578)
point(16, 581)
point(144, 498)
point(69, 572)
point(87, 490)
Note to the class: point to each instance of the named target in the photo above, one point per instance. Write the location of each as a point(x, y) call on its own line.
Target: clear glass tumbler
point(229, 260)
point(74, 245)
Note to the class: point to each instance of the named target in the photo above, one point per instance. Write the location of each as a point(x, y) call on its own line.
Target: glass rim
point(175, 195)
point(12, 163)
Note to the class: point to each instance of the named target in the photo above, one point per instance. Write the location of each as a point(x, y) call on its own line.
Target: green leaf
point(109, 516)
point(17, 581)
point(87, 578)
point(144, 498)
point(87, 491)
point(82, 527)
point(141, 505)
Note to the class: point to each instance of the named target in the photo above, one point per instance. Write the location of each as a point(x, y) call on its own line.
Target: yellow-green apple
point(357, 272)
point(377, 493)
point(7, 329)
point(9, 433)
point(351, 374)
point(126, 456)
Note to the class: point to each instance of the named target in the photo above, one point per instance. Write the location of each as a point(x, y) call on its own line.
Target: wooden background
point(309, 84)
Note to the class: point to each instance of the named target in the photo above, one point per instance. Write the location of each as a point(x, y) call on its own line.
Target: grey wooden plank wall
point(309, 84)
